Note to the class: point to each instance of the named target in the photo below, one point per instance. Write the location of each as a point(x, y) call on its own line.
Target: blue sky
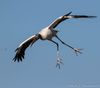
point(19, 19)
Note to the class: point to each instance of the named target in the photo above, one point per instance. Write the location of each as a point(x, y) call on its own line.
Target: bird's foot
point(77, 51)
point(59, 60)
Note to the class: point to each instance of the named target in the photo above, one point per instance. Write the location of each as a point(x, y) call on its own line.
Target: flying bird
point(47, 34)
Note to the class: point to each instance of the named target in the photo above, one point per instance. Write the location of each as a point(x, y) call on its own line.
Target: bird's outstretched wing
point(20, 51)
point(56, 22)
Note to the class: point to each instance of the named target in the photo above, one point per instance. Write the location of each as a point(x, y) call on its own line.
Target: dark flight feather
point(20, 51)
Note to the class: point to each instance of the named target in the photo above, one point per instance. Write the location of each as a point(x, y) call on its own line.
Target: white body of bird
point(47, 34)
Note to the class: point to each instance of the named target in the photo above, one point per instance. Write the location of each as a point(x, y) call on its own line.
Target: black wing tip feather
point(79, 16)
point(83, 16)
point(92, 16)
point(68, 14)
point(19, 56)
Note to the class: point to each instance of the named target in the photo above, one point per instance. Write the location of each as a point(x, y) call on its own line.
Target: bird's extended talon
point(77, 51)
point(59, 61)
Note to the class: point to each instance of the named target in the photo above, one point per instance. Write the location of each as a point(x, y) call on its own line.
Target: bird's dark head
point(39, 36)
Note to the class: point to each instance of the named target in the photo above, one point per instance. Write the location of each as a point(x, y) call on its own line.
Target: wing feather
point(56, 22)
point(20, 51)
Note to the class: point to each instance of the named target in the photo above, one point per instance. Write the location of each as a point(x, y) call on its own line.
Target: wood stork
point(47, 34)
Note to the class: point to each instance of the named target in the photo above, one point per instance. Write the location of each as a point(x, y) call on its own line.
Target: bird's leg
point(59, 59)
point(77, 50)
